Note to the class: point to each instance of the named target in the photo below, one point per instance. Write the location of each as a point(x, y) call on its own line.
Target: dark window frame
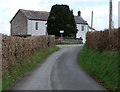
point(36, 25)
point(82, 27)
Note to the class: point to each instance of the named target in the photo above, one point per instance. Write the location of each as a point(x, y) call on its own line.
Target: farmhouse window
point(36, 25)
point(82, 27)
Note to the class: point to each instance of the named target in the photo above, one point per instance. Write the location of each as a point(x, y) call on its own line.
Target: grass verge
point(103, 65)
point(18, 70)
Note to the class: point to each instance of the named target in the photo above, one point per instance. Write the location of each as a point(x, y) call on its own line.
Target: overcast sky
point(8, 8)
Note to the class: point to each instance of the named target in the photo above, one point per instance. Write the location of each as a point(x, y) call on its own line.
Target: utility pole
point(118, 14)
point(110, 15)
point(92, 21)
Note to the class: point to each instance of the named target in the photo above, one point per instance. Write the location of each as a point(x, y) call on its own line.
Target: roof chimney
point(79, 13)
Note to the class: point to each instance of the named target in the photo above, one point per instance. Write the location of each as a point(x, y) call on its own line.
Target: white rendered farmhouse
point(33, 23)
point(82, 27)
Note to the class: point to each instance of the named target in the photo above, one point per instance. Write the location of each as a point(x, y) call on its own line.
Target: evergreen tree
point(61, 18)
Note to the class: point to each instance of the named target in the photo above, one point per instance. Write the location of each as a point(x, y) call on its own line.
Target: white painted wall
point(42, 28)
point(81, 33)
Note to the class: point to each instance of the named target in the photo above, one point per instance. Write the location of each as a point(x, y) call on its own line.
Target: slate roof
point(30, 14)
point(42, 15)
point(80, 20)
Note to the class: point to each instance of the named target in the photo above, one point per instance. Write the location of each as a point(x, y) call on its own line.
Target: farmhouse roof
point(80, 20)
point(30, 14)
point(33, 15)
point(43, 15)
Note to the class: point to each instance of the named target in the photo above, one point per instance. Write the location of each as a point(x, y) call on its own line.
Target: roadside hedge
point(103, 40)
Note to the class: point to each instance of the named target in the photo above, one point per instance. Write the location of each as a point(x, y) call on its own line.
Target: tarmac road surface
point(59, 71)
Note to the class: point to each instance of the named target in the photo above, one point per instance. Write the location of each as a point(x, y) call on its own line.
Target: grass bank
point(103, 65)
point(18, 70)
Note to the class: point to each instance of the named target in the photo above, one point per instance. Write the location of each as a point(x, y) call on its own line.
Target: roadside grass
point(18, 70)
point(103, 65)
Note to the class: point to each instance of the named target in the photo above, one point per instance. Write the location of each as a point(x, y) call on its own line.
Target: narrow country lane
point(59, 71)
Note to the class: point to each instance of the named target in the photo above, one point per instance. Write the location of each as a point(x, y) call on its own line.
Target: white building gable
point(36, 28)
point(82, 27)
point(82, 30)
